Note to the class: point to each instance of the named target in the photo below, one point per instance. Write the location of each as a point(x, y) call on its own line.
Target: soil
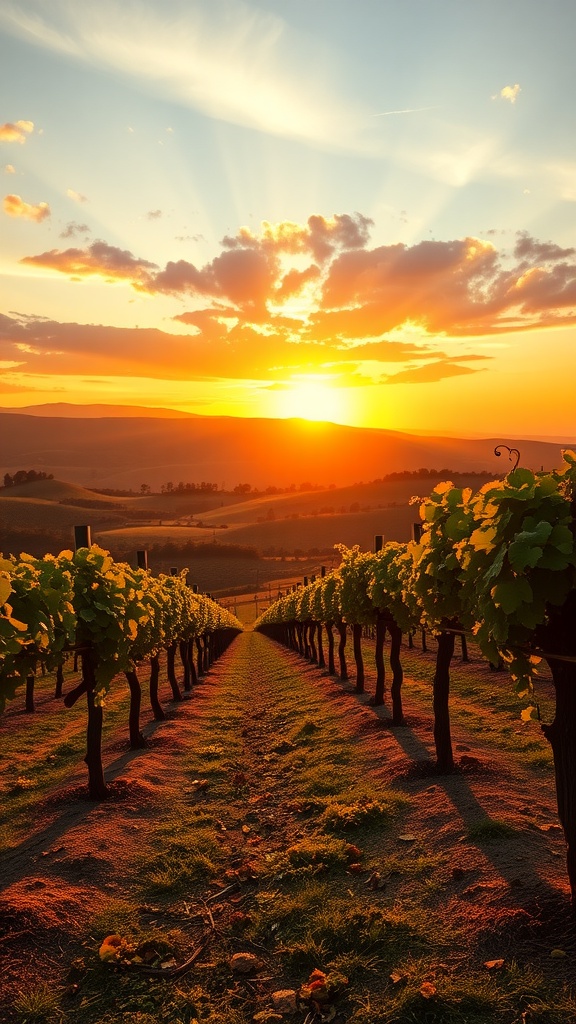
point(75, 854)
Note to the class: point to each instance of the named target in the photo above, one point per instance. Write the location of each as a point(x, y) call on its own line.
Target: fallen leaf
point(396, 977)
point(557, 954)
point(353, 852)
point(428, 990)
point(550, 828)
point(494, 965)
point(110, 947)
point(408, 838)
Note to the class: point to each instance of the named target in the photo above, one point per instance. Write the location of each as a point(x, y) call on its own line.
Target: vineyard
point(303, 833)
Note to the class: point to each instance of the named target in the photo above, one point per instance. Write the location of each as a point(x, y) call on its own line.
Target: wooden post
point(142, 559)
point(441, 692)
point(417, 532)
point(82, 537)
point(378, 543)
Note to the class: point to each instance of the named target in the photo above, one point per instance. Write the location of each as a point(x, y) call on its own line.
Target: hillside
point(124, 452)
point(239, 544)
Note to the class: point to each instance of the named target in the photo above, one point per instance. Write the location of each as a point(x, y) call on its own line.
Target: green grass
point(311, 807)
point(490, 830)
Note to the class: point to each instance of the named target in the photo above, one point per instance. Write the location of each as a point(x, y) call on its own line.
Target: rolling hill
point(124, 452)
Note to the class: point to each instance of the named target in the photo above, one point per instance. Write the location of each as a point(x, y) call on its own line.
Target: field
point(275, 825)
point(306, 523)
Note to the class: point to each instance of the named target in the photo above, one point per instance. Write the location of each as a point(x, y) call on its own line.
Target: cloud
point(510, 93)
point(154, 214)
point(15, 206)
point(72, 230)
point(321, 284)
point(76, 196)
point(98, 260)
point(16, 132)
point(260, 72)
point(430, 373)
point(9, 169)
point(532, 252)
point(320, 237)
point(220, 347)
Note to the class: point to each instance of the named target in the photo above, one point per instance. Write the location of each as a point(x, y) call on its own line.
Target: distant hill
point(124, 452)
point(70, 411)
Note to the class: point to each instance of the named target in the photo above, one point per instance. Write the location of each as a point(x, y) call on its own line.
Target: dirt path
point(275, 775)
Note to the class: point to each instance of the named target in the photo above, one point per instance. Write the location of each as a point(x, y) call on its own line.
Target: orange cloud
point(352, 293)
point(431, 373)
point(221, 347)
point(99, 259)
point(320, 237)
point(15, 206)
point(16, 132)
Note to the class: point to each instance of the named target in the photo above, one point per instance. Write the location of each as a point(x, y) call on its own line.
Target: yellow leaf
point(557, 954)
point(5, 590)
point(482, 540)
point(494, 965)
point(110, 948)
point(21, 626)
point(528, 714)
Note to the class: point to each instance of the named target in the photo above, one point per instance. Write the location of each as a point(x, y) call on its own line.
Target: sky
point(355, 210)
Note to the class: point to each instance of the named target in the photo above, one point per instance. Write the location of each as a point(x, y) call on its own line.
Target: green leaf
point(510, 595)
point(522, 553)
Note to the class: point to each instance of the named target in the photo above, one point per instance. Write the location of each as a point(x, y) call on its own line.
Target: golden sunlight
point(312, 398)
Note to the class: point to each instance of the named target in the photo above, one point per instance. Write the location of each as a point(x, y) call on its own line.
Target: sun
point(312, 398)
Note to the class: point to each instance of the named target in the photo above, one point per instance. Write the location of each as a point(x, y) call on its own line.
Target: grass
point(35, 758)
point(302, 816)
point(40, 1004)
point(490, 830)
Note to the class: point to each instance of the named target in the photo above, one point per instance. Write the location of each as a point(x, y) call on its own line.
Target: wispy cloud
point(431, 373)
point(408, 110)
point(227, 59)
point(16, 131)
point(9, 169)
point(76, 196)
point(15, 206)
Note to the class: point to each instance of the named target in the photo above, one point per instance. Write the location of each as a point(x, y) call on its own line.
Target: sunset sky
point(355, 210)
